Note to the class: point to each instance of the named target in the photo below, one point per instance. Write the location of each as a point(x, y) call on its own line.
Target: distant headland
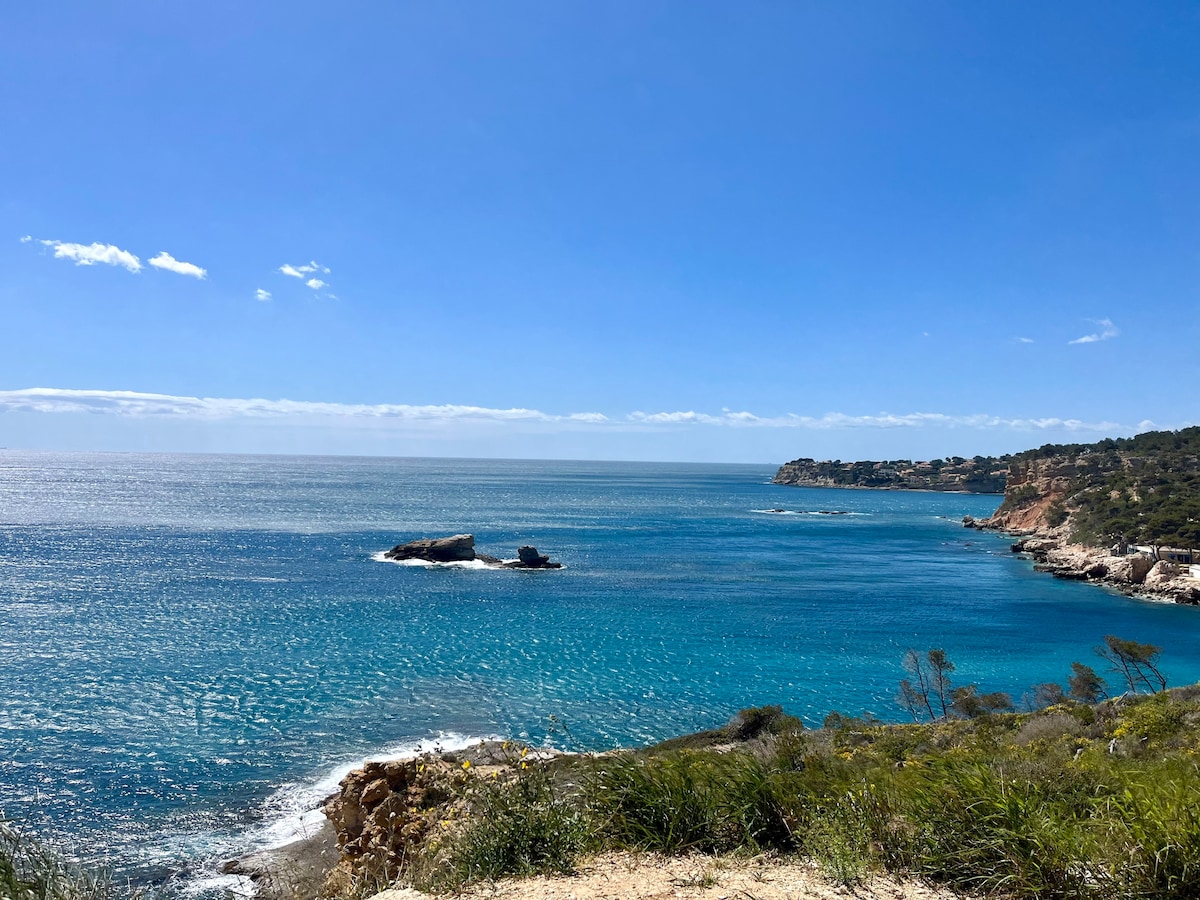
point(1124, 512)
point(978, 475)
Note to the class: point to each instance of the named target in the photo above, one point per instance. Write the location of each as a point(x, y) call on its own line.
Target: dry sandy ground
point(623, 876)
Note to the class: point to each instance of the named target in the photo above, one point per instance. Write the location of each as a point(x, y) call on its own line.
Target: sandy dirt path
point(625, 876)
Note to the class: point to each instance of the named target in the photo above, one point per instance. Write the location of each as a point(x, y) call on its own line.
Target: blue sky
point(629, 230)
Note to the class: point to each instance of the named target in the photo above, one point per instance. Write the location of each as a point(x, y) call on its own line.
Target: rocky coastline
point(1134, 574)
point(1040, 511)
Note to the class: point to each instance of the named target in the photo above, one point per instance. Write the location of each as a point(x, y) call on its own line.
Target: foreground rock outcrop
point(461, 548)
point(384, 812)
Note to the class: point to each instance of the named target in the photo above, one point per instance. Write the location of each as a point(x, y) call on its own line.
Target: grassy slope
point(1071, 801)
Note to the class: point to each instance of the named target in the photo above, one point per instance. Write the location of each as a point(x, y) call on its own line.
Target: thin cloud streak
point(1107, 330)
point(137, 404)
point(166, 261)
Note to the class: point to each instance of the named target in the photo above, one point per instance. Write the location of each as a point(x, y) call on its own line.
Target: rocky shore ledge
point(1134, 574)
point(461, 548)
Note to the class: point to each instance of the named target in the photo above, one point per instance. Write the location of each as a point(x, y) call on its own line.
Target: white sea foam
point(294, 811)
point(218, 884)
point(831, 513)
point(426, 564)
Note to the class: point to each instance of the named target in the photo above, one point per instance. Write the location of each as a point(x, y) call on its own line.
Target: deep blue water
point(192, 646)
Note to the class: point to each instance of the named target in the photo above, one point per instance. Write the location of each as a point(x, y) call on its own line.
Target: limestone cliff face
point(1036, 493)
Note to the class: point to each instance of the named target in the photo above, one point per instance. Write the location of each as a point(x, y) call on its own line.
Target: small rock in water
point(529, 558)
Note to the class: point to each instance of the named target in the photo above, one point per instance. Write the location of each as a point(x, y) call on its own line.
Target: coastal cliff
point(1122, 512)
point(978, 475)
point(1144, 489)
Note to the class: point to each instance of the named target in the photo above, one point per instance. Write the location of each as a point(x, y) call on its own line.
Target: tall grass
point(29, 870)
point(689, 801)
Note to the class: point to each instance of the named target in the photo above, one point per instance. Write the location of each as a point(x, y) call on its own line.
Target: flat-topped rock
point(456, 548)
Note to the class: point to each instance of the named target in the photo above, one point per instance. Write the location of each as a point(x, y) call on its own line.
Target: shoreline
point(282, 853)
point(1135, 575)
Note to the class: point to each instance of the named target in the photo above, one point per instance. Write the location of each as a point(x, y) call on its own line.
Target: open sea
point(194, 648)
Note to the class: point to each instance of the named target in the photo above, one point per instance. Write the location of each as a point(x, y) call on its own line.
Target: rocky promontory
point(461, 548)
point(978, 475)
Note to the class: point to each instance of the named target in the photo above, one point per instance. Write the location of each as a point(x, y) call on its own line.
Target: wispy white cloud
point(133, 403)
point(166, 261)
point(1025, 340)
point(90, 254)
point(262, 295)
point(883, 420)
point(1107, 330)
point(25, 239)
point(301, 271)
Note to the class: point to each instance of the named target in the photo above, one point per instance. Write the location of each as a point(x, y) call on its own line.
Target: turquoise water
point(192, 647)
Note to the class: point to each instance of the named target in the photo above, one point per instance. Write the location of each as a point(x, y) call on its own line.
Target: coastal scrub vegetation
point(929, 693)
point(1076, 799)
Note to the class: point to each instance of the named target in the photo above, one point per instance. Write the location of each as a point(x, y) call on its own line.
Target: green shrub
point(1151, 722)
point(757, 720)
